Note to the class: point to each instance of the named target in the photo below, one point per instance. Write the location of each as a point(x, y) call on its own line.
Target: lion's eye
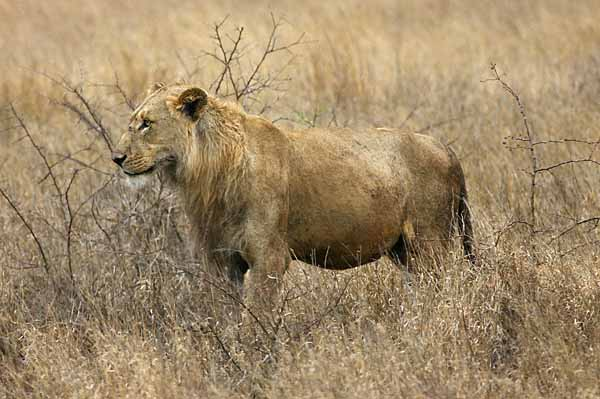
point(145, 125)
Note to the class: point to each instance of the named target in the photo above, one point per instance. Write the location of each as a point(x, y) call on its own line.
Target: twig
point(409, 116)
point(233, 298)
point(531, 146)
point(92, 119)
point(576, 247)
point(31, 232)
point(567, 162)
point(558, 141)
point(594, 220)
point(509, 227)
point(331, 308)
point(96, 118)
point(227, 56)
point(442, 123)
point(37, 149)
point(70, 226)
point(231, 81)
point(529, 140)
point(224, 348)
point(271, 48)
point(124, 95)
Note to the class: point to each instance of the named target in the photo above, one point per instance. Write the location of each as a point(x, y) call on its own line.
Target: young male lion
point(257, 195)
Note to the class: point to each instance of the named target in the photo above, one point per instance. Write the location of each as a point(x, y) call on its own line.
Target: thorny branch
point(227, 57)
point(69, 227)
point(126, 99)
point(271, 48)
point(230, 52)
point(97, 124)
point(89, 114)
point(531, 146)
point(595, 221)
point(529, 140)
point(40, 248)
point(37, 149)
point(234, 298)
point(63, 195)
point(224, 348)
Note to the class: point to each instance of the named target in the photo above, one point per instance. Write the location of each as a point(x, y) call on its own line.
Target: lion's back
point(384, 152)
point(347, 190)
point(359, 187)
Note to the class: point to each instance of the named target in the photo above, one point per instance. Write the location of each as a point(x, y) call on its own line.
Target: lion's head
point(160, 131)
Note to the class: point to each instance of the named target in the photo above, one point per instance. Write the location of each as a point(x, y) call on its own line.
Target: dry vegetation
point(99, 296)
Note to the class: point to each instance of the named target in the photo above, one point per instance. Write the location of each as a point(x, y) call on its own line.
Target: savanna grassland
point(99, 296)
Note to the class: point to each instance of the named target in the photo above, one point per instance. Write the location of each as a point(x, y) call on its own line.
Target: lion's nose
point(118, 158)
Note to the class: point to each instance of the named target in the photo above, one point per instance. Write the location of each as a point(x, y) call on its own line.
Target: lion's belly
point(347, 202)
point(339, 230)
point(336, 250)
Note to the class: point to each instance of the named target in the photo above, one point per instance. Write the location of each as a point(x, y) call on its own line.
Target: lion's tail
point(463, 213)
point(464, 226)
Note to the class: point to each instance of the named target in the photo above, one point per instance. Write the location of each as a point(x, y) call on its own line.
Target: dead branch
point(128, 101)
point(270, 48)
point(560, 141)
point(224, 348)
point(411, 113)
point(441, 123)
point(97, 124)
point(531, 146)
point(37, 149)
point(230, 52)
point(529, 140)
point(595, 221)
point(234, 298)
point(70, 226)
point(56, 163)
point(40, 248)
point(227, 56)
point(317, 321)
point(505, 229)
point(90, 166)
point(89, 115)
point(567, 162)
point(577, 247)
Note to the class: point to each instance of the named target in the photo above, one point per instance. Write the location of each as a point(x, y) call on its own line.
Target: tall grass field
point(101, 298)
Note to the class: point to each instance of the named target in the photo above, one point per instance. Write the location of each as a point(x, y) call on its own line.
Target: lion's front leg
point(265, 232)
point(268, 256)
point(222, 275)
point(264, 278)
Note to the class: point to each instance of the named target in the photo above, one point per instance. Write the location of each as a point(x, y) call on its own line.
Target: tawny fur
point(257, 196)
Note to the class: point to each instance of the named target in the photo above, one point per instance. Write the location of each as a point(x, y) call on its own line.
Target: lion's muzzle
point(118, 158)
point(132, 166)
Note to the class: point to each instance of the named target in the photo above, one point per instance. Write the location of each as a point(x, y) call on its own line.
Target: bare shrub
point(527, 142)
point(100, 297)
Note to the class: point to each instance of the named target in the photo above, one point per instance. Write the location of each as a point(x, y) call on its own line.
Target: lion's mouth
point(145, 172)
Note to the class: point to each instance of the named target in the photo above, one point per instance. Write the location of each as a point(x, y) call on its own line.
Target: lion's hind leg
point(237, 270)
point(399, 252)
point(402, 253)
point(422, 251)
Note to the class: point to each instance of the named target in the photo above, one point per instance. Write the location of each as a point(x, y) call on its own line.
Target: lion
point(258, 196)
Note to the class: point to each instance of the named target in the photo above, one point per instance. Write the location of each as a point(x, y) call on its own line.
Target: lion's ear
point(190, 102)
point(154, 87)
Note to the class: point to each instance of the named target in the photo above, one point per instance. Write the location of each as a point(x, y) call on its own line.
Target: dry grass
point(118, 310)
